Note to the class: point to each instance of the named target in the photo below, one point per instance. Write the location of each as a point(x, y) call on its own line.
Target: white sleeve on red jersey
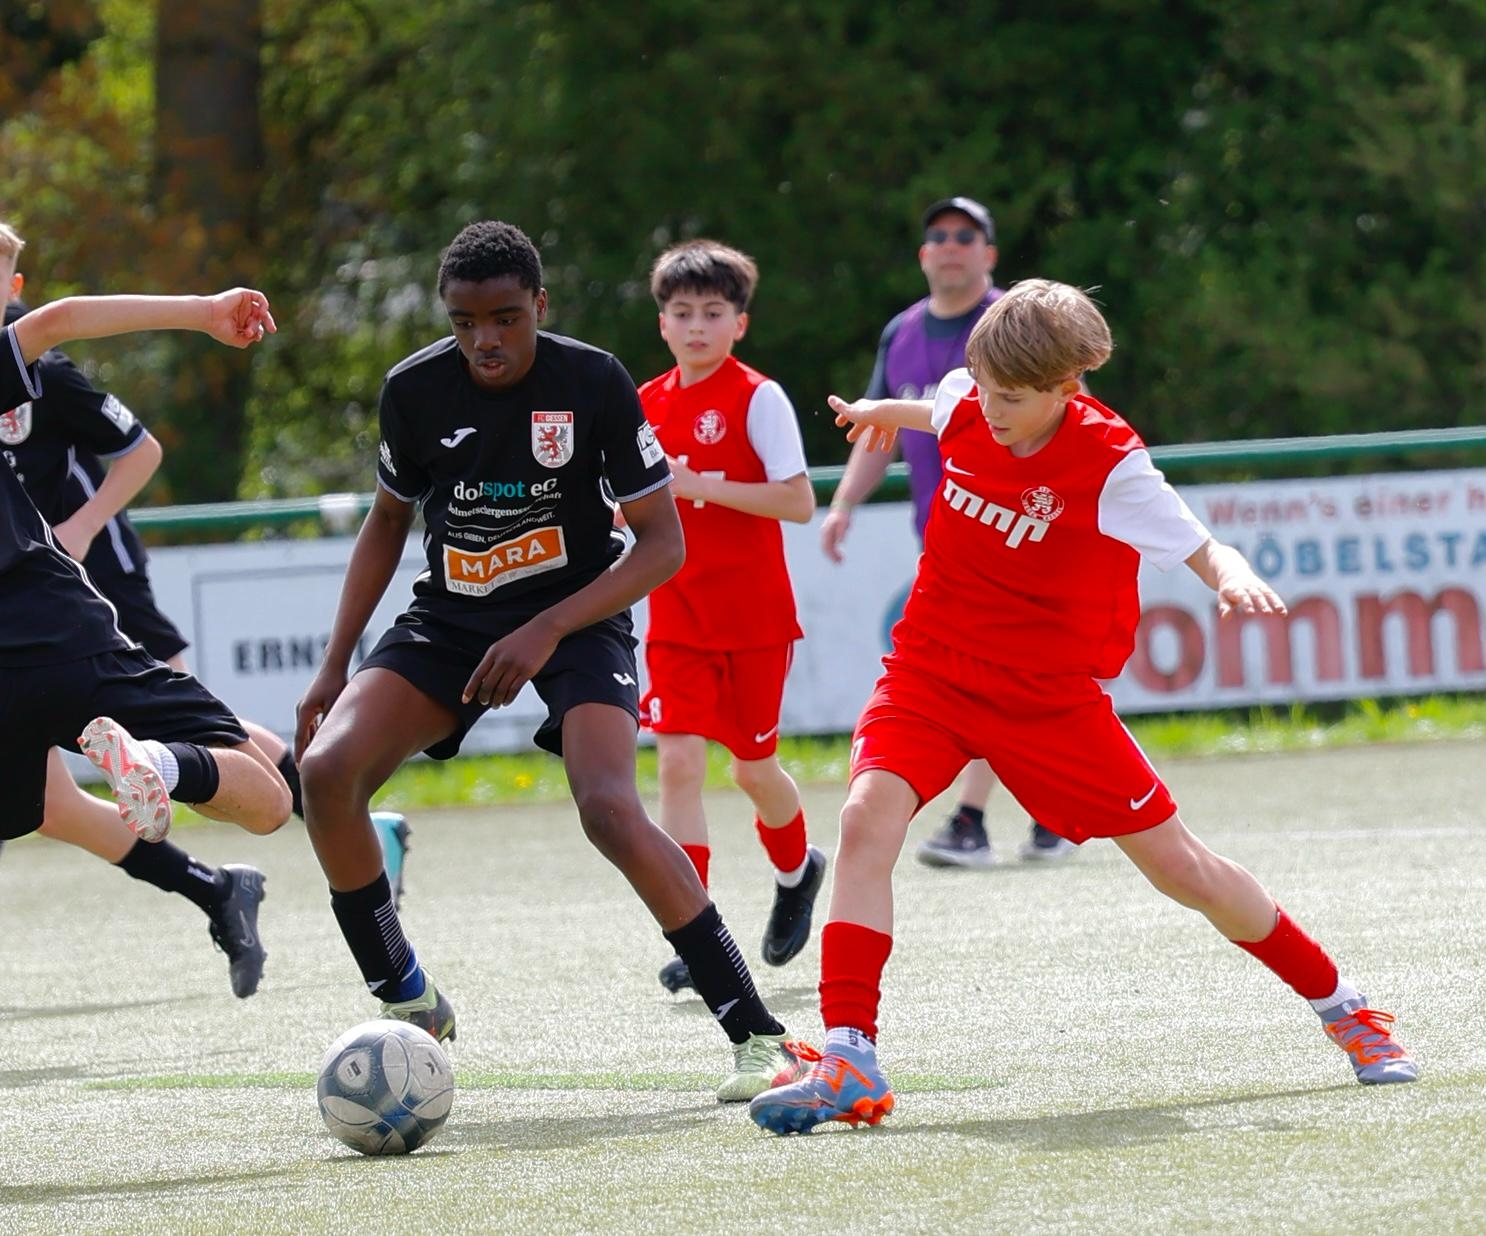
point(955, 385)
point(774, 433)
point(1138, 506)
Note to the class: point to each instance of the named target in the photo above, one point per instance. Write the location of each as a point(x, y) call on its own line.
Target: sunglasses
point(942, 235)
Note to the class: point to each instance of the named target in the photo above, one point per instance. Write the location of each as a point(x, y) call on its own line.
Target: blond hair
point(1039, 334)
point(11, 243)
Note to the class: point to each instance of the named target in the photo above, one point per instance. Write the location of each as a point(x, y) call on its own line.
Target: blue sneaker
point(843, 1084)
point(393, 832)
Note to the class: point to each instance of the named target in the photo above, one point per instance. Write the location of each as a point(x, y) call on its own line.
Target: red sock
point(1296, 958)
point(786, 845)
point(851, 962)
point(701, 859)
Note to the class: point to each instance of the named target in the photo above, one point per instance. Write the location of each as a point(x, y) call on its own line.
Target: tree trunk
point(208, 176)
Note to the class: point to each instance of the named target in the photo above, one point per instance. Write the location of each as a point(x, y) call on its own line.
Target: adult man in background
point(918, 347)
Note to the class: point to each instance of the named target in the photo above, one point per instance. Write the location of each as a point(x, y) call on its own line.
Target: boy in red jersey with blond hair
point(722, 629)
point(1025, 598)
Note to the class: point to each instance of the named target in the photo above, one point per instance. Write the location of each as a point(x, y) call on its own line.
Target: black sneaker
point(1043, 845)
point(234, 928)
point(960, 843)
point(789, 920)
point(675, 976)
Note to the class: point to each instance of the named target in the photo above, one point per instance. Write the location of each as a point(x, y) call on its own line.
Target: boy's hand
point(510, 663)
point(315, 706)
point(861, 415)
point(75, 537)
point(239, 318)
point(687, 484)
point(1242, 591)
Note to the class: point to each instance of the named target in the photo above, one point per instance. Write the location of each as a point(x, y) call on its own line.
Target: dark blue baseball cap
point(978, 214)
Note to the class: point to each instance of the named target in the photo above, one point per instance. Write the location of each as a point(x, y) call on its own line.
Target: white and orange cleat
point(138, 787)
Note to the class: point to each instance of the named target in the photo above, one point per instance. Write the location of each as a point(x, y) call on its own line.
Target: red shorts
point(1052, 739)
point(730, 697)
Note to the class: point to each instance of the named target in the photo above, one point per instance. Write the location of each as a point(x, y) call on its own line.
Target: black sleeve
point(19, 383)
point(634, 462)
point(87, 416)
point(398, 470)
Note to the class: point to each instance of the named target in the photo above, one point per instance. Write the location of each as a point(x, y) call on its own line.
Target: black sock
point(721, 976)
point(289, 770)
point(370, 924)
point(971, 815)
point(171, 869)
point(199, 776)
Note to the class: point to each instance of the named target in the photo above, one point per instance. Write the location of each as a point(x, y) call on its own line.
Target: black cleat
point(234, 928)
point(675, 976)
point(789, 921)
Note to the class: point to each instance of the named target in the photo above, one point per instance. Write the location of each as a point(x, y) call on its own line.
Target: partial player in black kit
point(68, 675)
point(82, 456)
point(505, 437)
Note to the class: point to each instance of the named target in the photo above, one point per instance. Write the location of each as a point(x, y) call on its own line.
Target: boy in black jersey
point(505, 437)
point(57, 445)
point(62, 656)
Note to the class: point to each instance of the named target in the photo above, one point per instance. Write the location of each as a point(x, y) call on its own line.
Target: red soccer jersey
point(733, 590)
point(1031, 562)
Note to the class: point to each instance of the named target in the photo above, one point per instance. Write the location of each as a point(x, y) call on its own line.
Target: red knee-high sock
point(1295, 957)
point(701, 859)
point(851, 962)
point(785, 845)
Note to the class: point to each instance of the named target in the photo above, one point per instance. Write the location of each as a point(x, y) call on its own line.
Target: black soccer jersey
point(49, 609)
point(57, 443)
point(511, 483)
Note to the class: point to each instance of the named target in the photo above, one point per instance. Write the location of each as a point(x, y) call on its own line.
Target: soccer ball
point(385, 1087)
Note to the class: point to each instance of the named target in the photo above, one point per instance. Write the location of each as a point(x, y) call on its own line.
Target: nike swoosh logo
point(458, 436)
point(949, 466)
point(725, 1009)
point(1137, 803)
point(766, 735)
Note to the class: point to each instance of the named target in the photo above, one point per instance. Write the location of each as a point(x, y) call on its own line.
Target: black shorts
point(594, 665)
point(47, 706)
point(139, 615)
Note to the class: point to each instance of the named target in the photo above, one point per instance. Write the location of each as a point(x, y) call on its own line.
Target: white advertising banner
point(1384, 576)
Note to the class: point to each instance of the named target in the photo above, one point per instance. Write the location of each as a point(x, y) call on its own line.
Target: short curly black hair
point(488, 250)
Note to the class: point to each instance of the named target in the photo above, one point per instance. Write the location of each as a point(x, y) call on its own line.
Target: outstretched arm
point(1228, 573)
point(877, 421)
point(238, 318)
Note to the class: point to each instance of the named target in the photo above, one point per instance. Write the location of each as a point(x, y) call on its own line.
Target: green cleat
point(761, 1062)
point(430, 1011)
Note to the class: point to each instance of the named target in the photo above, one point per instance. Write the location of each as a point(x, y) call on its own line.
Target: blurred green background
point(1282, 205)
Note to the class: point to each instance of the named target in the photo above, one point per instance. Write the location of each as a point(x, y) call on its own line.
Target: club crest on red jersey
point(15, 425)
point(552, 438)
point(1042, 503)
point(710, 428)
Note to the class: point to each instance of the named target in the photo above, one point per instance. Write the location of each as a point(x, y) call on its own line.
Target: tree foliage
point(1280, 205)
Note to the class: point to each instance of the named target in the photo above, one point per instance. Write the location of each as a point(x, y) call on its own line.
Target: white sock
point(851, 1039)
point(791, 879)
point(163, 758)
point(1345, 993)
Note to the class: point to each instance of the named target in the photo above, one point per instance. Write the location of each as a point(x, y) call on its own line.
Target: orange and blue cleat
point(844, 1084)
point(1363, 1033)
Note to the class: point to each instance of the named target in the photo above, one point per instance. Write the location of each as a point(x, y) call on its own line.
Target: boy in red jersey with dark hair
point(722, 629)
point(1025, 598)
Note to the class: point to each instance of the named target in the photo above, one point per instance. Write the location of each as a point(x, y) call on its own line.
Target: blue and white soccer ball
point(385, 1087)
